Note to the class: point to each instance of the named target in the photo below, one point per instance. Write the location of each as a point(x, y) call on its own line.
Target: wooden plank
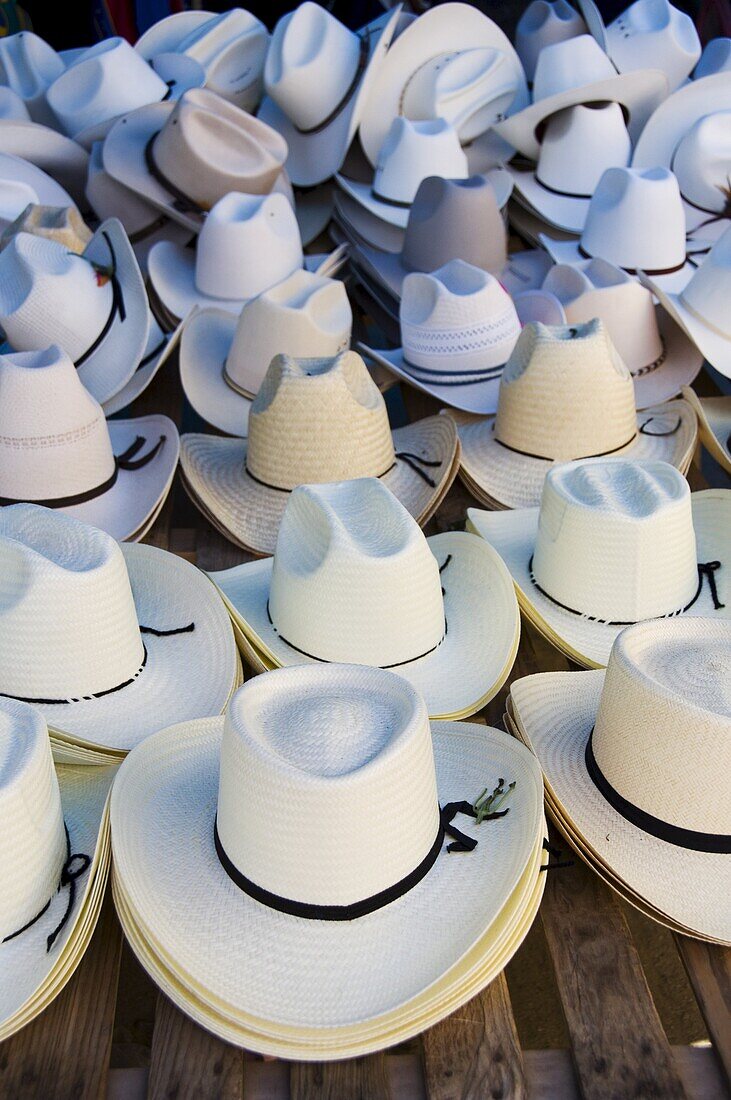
point(187, 1063)
point(65, 1051)
point(355, 1079)
point(475, 1052)
point(709, 970)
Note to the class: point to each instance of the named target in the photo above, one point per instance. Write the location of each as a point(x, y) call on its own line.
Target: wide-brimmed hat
point(223, 360)
point(613, 747)
point(716, 58)
point(279, 885)
point(660, 356)
point(714, 425)
point(61, 158)
point(577, 71)
point(564, 395)
point(614, 542)
point(21, 183)
point(28, 65)
point(54, 859)
point(313, 421)
point(353, 580)
point(121, 638)
point(56, 448)
point(543, 23)
point(658, 32)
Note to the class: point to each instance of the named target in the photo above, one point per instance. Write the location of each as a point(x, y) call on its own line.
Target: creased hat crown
point(569, 64)
point(29, 65)
point(716, 58)
point(455, 219)
point(706, 294)
point(414, 151)
point(579, 143)
point(702, 162)
point(543, 23)
point(657, 30)
point(231, 48)
point(63, 224)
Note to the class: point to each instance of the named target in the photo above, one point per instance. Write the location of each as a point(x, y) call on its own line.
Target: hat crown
point(579, 144)
point(232, 48)
point(339, 743)
point(413, 151)
point(615, 539)
point(65, 598)
point(471, 89)
point(716, 58)
point(662, 736)
point(353, 578)
point(656, 29)
point(63, 224)
point(32, 840)
point(455, 219)
point(12, 106)
point(570, 63)
point(702, 162)
point(706, 294)
point(543, 23)
point(636, 220)
point(28, 64)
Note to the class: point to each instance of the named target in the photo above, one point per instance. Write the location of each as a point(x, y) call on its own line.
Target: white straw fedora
point(57, 449)
point(660, 356)
point(108, 642)
point(28, 65)
point(316, 93)
point(716, 58)
point(577, 71)
point(223, 360)
point(354, 580)
point(658, 31)
point(335, 858)
point(565, 395)
point(618, 747)
point(54, 860)
point(93, 305)
point(714, 425)
point(312, 421)
point(21, 183)
point(543, 23)
point(614, 542)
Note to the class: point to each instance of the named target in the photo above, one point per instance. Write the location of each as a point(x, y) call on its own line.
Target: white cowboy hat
point(358, 226)
point(64, 160)
point(312, 421)
point(565, 394)
point(359, 797)
point(12, 106)
point(21, 183)
point(658, 31)
point(577, 71)
point(716, 58)
point(614, 746)
point(57, 449)
point(160, 346)
point(123, 638)
point(223, 360)
point(316, 97)
point(714, 425)
point(313, 207)
point(614, 542)
point(54, 859)
point(660, 356)
point(28, 66)
point(543, 23)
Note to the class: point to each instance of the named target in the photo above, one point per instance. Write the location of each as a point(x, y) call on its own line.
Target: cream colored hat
point(22, 183)
point(63, 224)
point(637, 759)
point(654, 29)
point(223, 360)
point(354, 580)
point(458, 328)
point(107, 641)
point(565, 394)
point(614, 542)
point(54, 861)
point(28, 65)
point(543, 23)
point(312, 421)
point(275, 885)
point(659, 355)
point(183, 157)
point(714, 425)
point(57, 449)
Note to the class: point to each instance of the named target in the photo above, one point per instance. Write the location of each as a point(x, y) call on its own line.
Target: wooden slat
point(355, 1079)
point(65, 1051)
point(709, 970)
point(189, 1064)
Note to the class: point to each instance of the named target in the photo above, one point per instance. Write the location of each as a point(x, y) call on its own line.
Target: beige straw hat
point(354, 580)
point(714, 425)
point(21, 182)
point(565, 394)
point(312, 421)
point(637, 760)
point(614, 543)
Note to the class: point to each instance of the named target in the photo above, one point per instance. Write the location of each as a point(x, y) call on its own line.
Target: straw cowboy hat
point(414, 59)
point(325, 909)
point(223, 360)
point(21, 183)
point(54, 859)
point(565, 394)
point(614, 542)
point(691, 134)
point(124, 637)
point(312, 421)
point(659, 355)
point(28, 66)
point(316, 96)
point(714, 425)
point(183, 157)
point(657, 30)
point(614, 746)
point(376, 592)
point(64, 160)
point(56, 448)
point(716, 58)
point(543, 23)
point(577, 71)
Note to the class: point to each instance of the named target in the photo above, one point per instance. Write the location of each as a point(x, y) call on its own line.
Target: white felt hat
point(716, 58)
point(28, 65)
point(12, 106)
point(63, 160)
point(223, 360)
point(636, 759)
point(714, 425)
point(312, 421)
point(655, 31)
point(542, 23)
point(21, 183)
point(614, 542)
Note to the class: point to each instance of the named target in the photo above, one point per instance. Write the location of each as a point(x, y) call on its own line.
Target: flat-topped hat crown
point(579, 144)
point(28, 65)
point(542, 24)
point(654, 29)
point(414, 151)
point(338, 742)
point(455, 219)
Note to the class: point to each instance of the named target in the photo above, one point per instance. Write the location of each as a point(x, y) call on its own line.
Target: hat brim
point(398, 215)
point(360, 227)
point(556, 712)
point(673, 118)
point(566, 212)
point(204, 347)
point(712, 345)
point(714, 425)
point(159, 348)
point(457, 391)
point(47, 191)
point(584, 640)
point(166, 34)
point(63, 159)
point(568, 251)
point(249, 513)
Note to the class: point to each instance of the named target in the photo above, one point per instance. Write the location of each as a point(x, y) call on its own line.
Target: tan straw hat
point(714, 425)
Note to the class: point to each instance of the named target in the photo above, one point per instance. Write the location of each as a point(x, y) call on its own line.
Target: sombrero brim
point(568, 251)
point(712, 345)
point(250, 513)
point(398, 214)
point(63, 159)
point(204, 347)
point(556, 712)
point(588, 641)
point(158, 350)
point(47, 191)
point(714, 425)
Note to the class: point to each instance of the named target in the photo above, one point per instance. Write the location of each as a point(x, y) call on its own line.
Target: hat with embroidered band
point(614, 748)
point(223, 360)
point(314, 421)
point(125, 637)
point(714, 425)
point(28, 65)
point(614, 542)
point(657, 30)
point(543, 23)
point(54, 859)
point(565, 394)
point(716, 58)
point(21, 183)
point(659, 355)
